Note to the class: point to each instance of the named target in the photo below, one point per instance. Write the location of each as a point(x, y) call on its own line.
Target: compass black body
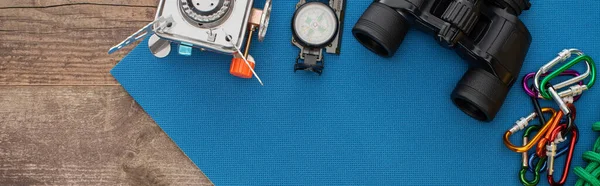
point(316, 26)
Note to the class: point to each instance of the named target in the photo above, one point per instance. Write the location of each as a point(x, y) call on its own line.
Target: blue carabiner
point(534, 156)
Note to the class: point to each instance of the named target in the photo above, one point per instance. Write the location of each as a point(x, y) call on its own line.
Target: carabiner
point(551, 155)
point(536, 174)
point(574, 90)
point(524, 164)
point(548, 136)
point(534, 156)
point(528, 131)
point(532, 92)
point(570, 120)
point(522, 123)
point(562, 56)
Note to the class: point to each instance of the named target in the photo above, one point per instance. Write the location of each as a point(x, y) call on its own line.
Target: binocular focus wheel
point(381, 29)
point(480, 94)
point(515, 7)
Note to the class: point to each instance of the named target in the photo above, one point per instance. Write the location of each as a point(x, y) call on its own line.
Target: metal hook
point(523, 122)
point(551, 155)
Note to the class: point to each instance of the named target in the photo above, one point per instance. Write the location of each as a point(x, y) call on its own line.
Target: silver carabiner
point(562, 57)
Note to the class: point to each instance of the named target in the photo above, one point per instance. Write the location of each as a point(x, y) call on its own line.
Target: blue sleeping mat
point(367, 120)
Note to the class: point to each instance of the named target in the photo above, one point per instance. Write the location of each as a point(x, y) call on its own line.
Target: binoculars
point(486, 33)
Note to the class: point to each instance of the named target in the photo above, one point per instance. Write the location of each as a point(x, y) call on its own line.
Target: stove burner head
point(206, 13)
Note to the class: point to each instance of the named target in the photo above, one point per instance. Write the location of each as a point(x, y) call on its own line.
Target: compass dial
point(315, 24)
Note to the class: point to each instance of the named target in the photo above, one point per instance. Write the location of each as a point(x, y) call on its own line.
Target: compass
point(315, 25)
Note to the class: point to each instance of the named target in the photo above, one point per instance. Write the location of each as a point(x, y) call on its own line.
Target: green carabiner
point(525, 166)
point(536, 174)
point(544, 92)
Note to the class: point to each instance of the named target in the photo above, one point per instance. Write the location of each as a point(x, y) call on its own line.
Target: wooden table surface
point(64, 120)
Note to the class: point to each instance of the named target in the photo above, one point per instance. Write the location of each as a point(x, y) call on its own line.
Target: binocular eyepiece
point(485, 33)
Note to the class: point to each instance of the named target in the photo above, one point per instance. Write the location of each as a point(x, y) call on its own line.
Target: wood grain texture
point(66, 41)
point(85, 136)
point(51, 134)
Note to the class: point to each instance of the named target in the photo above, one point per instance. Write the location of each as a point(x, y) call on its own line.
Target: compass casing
point(307, 18)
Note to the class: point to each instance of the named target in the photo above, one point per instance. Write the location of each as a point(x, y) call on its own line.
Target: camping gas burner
point(222, 26)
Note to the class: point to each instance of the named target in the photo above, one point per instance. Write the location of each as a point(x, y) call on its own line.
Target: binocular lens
point(381, 29)
point(479, 94)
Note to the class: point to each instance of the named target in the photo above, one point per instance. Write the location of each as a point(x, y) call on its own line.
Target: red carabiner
point(554, 122)
point(573, 141)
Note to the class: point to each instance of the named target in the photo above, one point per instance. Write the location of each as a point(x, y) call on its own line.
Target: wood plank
point(66, 41)
point(85, 135)
point(46, 3)
point(77, 135)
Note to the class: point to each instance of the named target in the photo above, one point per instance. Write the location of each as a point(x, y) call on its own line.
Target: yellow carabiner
point(522, 123)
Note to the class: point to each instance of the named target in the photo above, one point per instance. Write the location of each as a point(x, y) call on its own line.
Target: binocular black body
point(486, 33)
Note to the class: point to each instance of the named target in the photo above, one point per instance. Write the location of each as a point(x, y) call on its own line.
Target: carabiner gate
point(528, 131)
point(524, 164)
point(534, 156)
